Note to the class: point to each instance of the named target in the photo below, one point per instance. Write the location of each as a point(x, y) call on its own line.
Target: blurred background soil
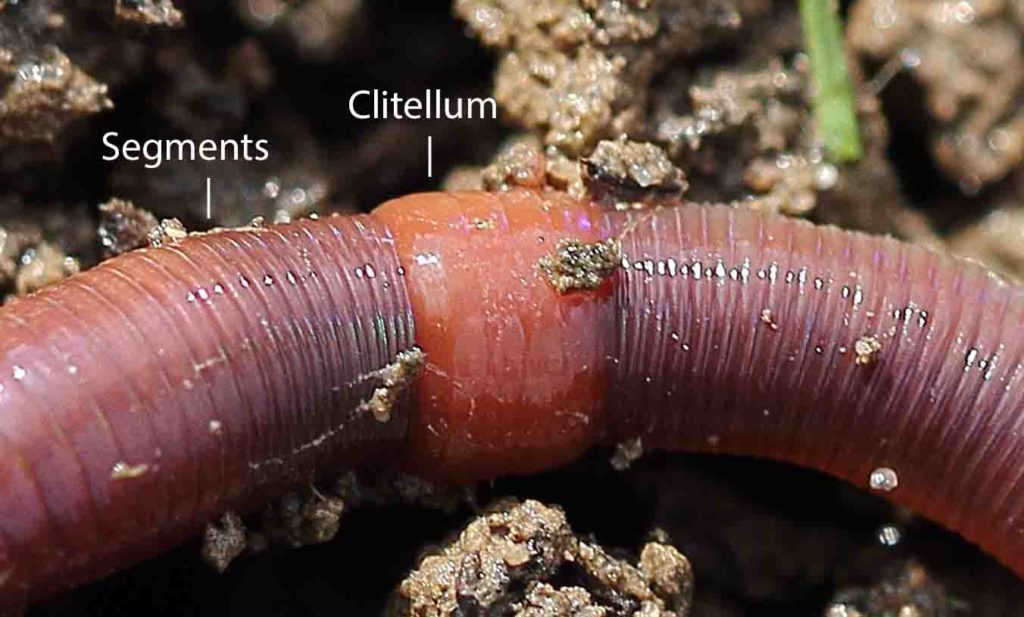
point(629, 102)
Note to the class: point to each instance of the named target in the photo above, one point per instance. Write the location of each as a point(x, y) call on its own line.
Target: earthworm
point(144, 397)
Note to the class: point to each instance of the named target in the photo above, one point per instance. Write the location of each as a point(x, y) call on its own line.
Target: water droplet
point(243, 281)
point(889, 535)
point(825, 176)
point(203, 294)
point(218, 289)
point(272, 188)
point(883, 479)
point(19, 372)
point(370, 272)
point(972, 355)
point(191, 297)
point(268, 280)
point(291, 277)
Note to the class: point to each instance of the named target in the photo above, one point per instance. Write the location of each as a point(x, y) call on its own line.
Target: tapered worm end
point(394, 379)
point(579, 265)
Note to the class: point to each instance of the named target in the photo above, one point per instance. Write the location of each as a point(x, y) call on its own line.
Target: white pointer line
point(208, 207)
point(430, 156)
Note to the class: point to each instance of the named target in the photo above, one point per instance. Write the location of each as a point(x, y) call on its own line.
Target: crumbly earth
point(504, 561)
point(148, 12)
point(969, 59)
point(223, 541)
point(123, 227)
point(624, 175)
point(905, 591)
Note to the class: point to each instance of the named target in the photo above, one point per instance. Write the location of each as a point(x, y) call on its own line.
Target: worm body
point(150, 394)
point(144, 397)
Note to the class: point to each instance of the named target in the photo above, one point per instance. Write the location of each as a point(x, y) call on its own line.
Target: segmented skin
point(145, 397)
point(706, 368)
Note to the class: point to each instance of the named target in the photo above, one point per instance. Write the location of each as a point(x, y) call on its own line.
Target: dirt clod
point(969, 58)
point(905, 591)
point(669, 573)
point(295, 521)
point(520, 164)
point(497, 552)
point(626, 453)
point(223, 541)
point(123, 227)
point(149, 12)
point(509, 559)
point(45, 95)
point(579, 265)
point(624, 174)
point(544, 600)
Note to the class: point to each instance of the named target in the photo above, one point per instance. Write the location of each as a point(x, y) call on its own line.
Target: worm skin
point(728, 331)
point(143, 398)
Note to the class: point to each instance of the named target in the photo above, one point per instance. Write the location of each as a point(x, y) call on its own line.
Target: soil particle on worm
point(516, 558)
point(394, 379)
point(577, 265)
point(166, 232)
point(867, 350)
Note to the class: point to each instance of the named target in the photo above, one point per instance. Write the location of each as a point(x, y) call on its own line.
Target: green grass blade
point(833, 92)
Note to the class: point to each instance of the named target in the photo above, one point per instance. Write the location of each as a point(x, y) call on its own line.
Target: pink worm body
point(143, 398)
point(162, 388)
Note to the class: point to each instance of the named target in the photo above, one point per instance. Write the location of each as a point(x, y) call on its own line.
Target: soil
point(629, 102)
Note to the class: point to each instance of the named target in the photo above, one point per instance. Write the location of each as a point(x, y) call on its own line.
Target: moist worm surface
point(143, 398)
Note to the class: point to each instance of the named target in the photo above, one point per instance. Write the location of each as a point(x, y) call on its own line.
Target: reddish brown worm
point(143, 398)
